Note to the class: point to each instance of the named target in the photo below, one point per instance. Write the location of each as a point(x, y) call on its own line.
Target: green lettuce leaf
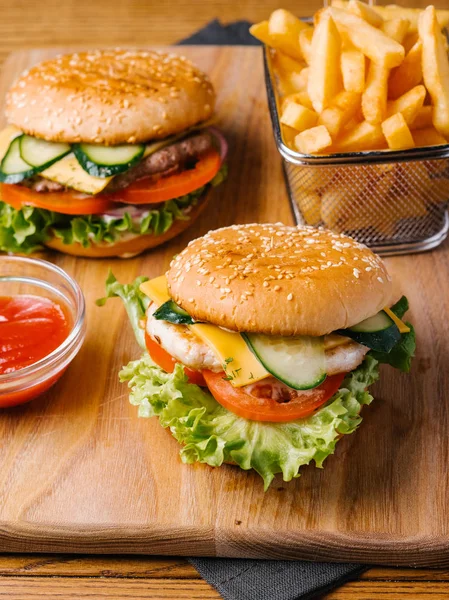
point(211, 434)
point(400, 357)
point(136, 303)
point(27, 229)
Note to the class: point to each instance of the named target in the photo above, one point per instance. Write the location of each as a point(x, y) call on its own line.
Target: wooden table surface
point(26, 24)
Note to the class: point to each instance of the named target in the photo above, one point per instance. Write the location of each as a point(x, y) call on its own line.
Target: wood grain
point(80, 473)
point(164, 578)
point(122, 567)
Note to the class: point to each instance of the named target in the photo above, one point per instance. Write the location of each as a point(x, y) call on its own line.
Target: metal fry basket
point(394, 201)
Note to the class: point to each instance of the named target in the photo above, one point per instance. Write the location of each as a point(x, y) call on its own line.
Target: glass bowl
point(21, 275)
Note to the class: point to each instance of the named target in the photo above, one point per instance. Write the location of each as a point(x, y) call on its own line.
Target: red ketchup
point(31, 327)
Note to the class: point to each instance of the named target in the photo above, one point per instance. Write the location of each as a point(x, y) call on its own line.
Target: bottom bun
point(128, 248)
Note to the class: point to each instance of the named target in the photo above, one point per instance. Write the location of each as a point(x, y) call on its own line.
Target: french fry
point(332, 119)
point(352, 124)
point(353, 70)
point(428, 137)
point(364, 136)
point(337, 202)
point(412, 14)
point(392, 11)
point(423, 118)
point(318, 180)
point(437, 192)
point(260, 31)
point(310, 205)
point(348, 102)
point(438, 168)
point(343, 108)
point(397, 133)
point(435, 66)
point(288, 135)
point(396, 28)
point(313, 140)
point(302, 80)
point(298, 117)
point(292, 74)
point(374, 98)
point(365, 12)
point(286, 64)
point(281, 32)
point(408, 74)
point(408, 104)
point(406, 203)
point(324, 80)
point(410, 40)
point(373, 43)
point(343, 208)
point(305, 43)
point(330, 93)
point(299, 98)
point(304, 99)
point(283, 29)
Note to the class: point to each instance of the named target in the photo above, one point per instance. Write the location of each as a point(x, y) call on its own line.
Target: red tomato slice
point(150, 191)
point(165, 361)
point(266, 409)
point(67, 203)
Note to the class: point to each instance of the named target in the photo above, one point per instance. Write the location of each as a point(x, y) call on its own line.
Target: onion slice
point(223, 144)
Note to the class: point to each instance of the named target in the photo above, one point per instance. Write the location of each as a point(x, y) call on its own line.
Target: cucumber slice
point(299, 362)
point(171, 312)
point(378, 332)
point(378, 322)
point(41, 154)
point(13, 168)
point(104, 161)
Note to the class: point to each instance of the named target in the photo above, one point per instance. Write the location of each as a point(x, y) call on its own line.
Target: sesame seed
point(290, 297)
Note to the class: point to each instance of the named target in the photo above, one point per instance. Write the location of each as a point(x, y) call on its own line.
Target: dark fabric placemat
point(233, 34)
point(241, 579)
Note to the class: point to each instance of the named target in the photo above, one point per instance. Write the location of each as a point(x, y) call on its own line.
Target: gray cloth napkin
point(241, 579)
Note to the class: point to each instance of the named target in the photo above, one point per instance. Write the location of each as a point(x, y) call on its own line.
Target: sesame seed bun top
point(110, 97)
point(279, 280)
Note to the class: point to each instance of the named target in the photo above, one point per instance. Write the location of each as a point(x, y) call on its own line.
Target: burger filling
point(140, 190)
point(219, 414)
point(342, 354)
point(164, 162)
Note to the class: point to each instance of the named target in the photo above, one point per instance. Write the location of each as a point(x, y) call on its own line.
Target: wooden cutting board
point(79, 472)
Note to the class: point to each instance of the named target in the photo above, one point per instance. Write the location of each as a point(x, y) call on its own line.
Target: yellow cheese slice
point(333, 340)
point(156, 290)
point(400, 324)
point(6, 137)
point(70, 173)
point(242, 367)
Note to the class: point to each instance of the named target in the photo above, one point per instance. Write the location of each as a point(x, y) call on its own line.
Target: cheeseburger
point(261, 342)
point(107, 153)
